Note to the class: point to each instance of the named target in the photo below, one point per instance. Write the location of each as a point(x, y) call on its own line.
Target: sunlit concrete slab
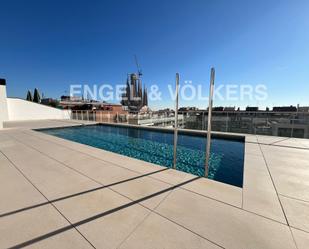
point(289, 169)
point(294, 143)
point(172, 176)
point(297, 213)
point(250, 138)
point(269, 139)
point(15, 191)
point(227, 226)
point(216, 190)
point(103, 216)
point(142, 188)
point(158, 232)
point(110, 231)
point(259, 194)
point(53, 179)
point(301, 238)
point(42, 227)
point(253, 149)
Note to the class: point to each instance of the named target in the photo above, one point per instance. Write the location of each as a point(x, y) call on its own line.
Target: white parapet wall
point(19, 109)
point(3, 103)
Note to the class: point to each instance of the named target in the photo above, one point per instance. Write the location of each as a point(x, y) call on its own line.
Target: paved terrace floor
point(56, 193)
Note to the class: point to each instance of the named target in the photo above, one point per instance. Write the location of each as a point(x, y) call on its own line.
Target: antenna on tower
point(139, 71)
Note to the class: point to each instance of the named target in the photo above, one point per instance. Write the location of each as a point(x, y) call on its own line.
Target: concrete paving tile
point(33, 223)
point(290, 170)
point(89, 204)
point(259, 195)
point(301, 238)
point(280, 153)
point(297, 212)
point(15, 191)
point(293, 143)
point(269, 139)
point(143, 187)
point(66, 240)
point(225, 225)
point(216, 190)
point(157, 232)
point(106, 230)
point(250, 138)
point(253, 149)
point(102, 172)
point(51, 177)
point(109, 231)
point(172, 176)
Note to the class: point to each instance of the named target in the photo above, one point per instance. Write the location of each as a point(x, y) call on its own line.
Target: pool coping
point(214, 134)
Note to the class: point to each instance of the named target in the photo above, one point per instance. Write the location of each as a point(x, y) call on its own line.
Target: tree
point(29, 96)
point(36, 96)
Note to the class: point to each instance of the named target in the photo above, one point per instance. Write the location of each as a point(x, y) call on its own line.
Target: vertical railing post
point(176, 121)
point(211, 91)
point(292, 129)
point(227, 122)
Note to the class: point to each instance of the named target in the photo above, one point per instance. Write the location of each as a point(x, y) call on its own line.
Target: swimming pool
point(156, 146)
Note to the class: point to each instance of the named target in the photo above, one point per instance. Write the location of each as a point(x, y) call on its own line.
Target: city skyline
point(247, 43)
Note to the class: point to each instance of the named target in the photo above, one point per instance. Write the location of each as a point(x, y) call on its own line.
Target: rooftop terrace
point(60, 194)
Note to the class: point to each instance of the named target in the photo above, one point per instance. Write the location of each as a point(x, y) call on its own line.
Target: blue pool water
point(226, 160)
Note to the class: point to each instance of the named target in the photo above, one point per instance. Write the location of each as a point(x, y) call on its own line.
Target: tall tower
point(4, 116)
point(145, 97)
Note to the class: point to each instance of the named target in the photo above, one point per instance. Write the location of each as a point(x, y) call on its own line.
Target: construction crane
point(139, 71)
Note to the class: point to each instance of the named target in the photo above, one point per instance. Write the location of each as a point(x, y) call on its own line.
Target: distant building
point(229, 109)
point(71, 98)
point(185, 109)
point(218, 109)
point(135, 96)
point(285, 109)
point(303, 109)
point(50, 102)
point(252, 109)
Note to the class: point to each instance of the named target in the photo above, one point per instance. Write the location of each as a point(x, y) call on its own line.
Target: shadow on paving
point(79, 223)
point(78, 194)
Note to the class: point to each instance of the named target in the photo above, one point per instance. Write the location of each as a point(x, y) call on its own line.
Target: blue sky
point(52, 44)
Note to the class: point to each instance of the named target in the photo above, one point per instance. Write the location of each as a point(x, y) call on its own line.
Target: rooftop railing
point(285, 124)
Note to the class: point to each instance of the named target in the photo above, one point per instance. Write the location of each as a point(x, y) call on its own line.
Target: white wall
point(3, 105)
point(19, 109)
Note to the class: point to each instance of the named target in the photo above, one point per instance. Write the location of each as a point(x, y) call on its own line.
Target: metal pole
point(292, 130)
point(211, 92)
point(176, 121)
